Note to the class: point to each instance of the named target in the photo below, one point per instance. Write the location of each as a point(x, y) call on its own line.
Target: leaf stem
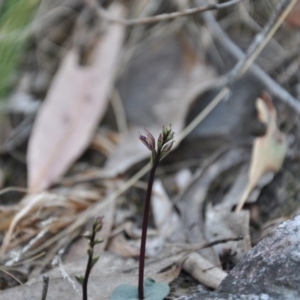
point(145, 226)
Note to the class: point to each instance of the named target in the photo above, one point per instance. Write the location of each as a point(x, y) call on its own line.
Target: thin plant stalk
point(88, 269)
point(145, 227)
point(159, 150)
point(92, 260)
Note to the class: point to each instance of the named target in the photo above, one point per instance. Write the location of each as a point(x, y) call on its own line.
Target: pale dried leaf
point(75, 103)
point(268, 151)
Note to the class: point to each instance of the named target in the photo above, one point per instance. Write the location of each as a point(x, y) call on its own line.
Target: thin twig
point(102, 13)
point(194, 247)
point(274, 88)
point(13, 189)
point(45, 287)
point(189, 248)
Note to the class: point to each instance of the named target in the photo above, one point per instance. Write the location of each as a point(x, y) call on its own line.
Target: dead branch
point(261, 39)
point(102, 13)
point(245, 60)
point(274, 88)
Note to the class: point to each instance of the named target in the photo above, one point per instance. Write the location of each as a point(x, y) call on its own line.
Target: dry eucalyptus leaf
point(268, 151)
point(75, 103)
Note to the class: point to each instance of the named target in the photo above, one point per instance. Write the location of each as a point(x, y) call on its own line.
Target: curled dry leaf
point(75, 103)
point(268, 151)
point(203, 271)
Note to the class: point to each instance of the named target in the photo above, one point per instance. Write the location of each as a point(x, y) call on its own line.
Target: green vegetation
point(15, 16)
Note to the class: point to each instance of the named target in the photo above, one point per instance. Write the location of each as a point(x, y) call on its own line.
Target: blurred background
point(78, 81)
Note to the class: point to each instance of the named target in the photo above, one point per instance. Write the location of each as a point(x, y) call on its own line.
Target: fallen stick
point(273, 87)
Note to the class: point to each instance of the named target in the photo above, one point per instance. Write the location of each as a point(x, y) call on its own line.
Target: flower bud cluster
point(164, 142)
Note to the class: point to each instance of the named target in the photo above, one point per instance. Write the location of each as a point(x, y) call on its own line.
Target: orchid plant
point(150, 290)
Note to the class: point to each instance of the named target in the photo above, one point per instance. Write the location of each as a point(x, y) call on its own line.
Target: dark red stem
point(89, 267)
point(145, 226)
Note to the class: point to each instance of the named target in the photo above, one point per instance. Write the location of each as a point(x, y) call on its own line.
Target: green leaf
point(125, 292)
point(15, 17)
point(79, 278)
point(87, 235)
point(98, 241)
point(155, 290)
point(94, 260)
point(90, 251)
point(152, 291)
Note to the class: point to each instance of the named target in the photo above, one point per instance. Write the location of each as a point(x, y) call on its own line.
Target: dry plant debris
point(93, 74)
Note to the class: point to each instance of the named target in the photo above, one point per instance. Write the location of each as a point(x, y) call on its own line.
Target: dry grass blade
point(40, 216)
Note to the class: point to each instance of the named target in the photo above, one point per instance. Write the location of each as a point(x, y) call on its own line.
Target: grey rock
point(269, 271)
